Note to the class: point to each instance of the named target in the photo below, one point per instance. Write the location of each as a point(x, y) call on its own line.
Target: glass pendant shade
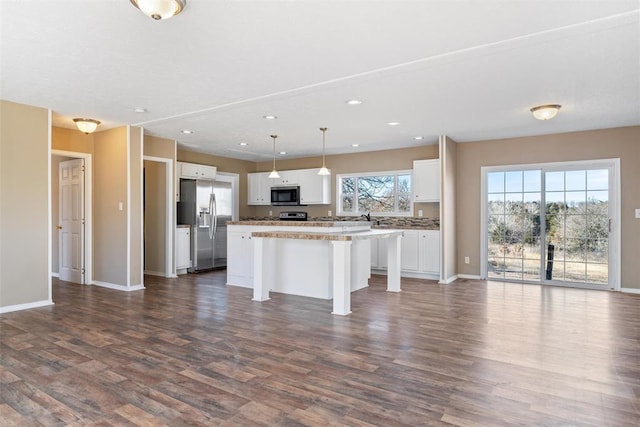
point(323, 170)
point(274, 173)
point(160, 9)
point(86, 125)
point(545, 112)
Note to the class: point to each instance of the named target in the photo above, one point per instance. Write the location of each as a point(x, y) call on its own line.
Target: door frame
point(614, 204)
point(88, 213)
point(169, 261)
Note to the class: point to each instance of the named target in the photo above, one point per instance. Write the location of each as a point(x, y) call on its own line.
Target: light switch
point(329, 213)
point(638, 213)
point(420, 213)
point(120, 206)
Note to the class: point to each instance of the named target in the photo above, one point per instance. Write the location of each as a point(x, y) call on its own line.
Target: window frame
point(395, 173)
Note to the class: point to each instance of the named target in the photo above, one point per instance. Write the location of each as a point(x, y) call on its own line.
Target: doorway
point(553, 223)
point(71, 245)
point(158, 217)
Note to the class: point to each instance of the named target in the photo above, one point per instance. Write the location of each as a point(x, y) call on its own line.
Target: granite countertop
point(311, 235)
point(183, 226)
point(300, 223)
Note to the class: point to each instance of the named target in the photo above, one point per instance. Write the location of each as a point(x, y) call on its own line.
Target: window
point(382, 193)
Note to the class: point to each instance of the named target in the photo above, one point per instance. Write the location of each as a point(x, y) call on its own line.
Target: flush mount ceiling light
point(393, 123)
point(323, 170)
point(274, 173)
point(354, 102)
point(418, 138)
point(160, 9)
point(545, 112)
point(186, 131)
point(86, 125)
point(270, 117)
point(243, 144)
point(355, 145)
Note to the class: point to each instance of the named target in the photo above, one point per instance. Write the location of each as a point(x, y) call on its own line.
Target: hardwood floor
point(192, 351)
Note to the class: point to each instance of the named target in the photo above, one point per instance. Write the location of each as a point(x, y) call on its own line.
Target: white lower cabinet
point(420, 253)
point(183, 249)
point(429, 251)
point(239, 259)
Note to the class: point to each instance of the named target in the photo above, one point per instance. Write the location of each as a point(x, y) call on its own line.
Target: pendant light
point(86, 125)
point(323, 170)
point(274, 173)
point(160, 9)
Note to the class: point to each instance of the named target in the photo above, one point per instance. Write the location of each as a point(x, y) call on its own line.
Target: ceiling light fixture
point(323, 170)
point(160, 9)
point(355, 145)
point(393, 123)
point(418, 138)
point(354, 102)
point(545, 112)
point(140, 110)
point(274, 173)
point(270, 117)
point(86, 125)
point(186, 131)
point(243, 144)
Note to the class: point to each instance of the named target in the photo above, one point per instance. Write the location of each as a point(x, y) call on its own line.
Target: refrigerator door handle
point(211, 215)
point(215, 215)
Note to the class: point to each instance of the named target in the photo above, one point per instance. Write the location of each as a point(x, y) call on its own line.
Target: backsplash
point(381, 221)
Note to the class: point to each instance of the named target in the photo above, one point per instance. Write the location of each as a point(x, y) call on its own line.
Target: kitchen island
point(318, 259)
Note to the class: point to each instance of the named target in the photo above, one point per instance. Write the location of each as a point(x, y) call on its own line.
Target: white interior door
point(71, 227)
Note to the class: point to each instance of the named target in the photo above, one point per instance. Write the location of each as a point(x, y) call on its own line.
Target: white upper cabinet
point(426, 180)
point(259, 188)
point(286, 178)
point(314, 189)
point(196, 171)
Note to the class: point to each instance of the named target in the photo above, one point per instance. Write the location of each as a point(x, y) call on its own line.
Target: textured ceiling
point(467, 69)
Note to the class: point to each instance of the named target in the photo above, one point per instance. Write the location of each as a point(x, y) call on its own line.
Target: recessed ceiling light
point(283, 152)
point(418, 138)
point(243, 144)
point(186, 131)
point(355, 145)
point(354, 102)
point(270, 117)
point(393, 123)
point(140, 110)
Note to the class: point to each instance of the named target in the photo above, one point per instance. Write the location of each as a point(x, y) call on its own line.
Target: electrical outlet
point(420, 213)
point(638, 213)
point(270, 213)
point(466, 260)
point(329, 213)
point(120, 206)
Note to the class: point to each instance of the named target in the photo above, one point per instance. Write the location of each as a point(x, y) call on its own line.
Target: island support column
point(394, 257)
point(260, 288)
point(341, 277)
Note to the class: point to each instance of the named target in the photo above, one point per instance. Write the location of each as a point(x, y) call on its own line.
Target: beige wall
point(159, 147)
point(623, 143)
point(24, 204)
point(110, 223)
point(135, 205)
point(225, 164)
point(71, 140)
point(373, 161)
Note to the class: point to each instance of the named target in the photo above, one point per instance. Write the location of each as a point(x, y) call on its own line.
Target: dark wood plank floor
point(192, 351)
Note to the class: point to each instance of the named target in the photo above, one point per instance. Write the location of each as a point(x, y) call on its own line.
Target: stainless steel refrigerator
point(206, 206)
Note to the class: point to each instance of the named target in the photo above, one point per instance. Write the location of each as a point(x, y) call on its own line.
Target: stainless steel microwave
point(285, 196)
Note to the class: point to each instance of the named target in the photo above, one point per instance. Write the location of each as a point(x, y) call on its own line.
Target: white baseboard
point(469, 276)
point(449, 280)
point(409, 274)
point(118, 287)
point(630, 290)
point(55, 274)
point(26, 306)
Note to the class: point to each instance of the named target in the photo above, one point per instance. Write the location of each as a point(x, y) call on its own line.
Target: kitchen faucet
point(367, 216)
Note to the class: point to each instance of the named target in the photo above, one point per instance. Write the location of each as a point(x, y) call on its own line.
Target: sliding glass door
point(550, 223)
